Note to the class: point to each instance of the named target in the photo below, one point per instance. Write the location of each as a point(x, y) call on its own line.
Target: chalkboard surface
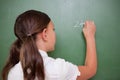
point(66, 15)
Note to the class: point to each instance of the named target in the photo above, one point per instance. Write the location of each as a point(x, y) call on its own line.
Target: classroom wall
point(66, 14)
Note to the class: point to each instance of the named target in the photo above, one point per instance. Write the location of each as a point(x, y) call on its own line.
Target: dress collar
point(43, 53)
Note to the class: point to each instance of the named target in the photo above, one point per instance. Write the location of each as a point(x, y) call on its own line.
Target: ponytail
point(31, 60)
point(26, 27)
point(12, 59)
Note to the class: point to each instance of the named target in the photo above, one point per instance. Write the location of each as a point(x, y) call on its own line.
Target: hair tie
point(29, 35)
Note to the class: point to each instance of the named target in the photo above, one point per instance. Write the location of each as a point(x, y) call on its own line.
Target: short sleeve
point(63, 70)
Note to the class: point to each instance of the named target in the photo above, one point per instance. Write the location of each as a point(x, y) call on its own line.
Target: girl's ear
point(44, 35)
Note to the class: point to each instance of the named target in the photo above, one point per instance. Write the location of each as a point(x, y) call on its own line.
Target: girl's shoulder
point(16, 72)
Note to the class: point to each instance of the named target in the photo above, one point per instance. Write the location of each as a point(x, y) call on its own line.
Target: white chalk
point(80, 25)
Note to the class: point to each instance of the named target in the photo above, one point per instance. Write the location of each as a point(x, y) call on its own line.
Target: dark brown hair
point(24, 49)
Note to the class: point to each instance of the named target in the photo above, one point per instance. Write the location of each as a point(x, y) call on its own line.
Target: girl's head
point(36, 25)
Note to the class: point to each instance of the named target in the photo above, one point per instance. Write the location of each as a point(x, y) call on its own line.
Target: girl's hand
point(89, 29)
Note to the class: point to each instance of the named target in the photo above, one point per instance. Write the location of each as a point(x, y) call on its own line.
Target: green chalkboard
point(66, 14)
